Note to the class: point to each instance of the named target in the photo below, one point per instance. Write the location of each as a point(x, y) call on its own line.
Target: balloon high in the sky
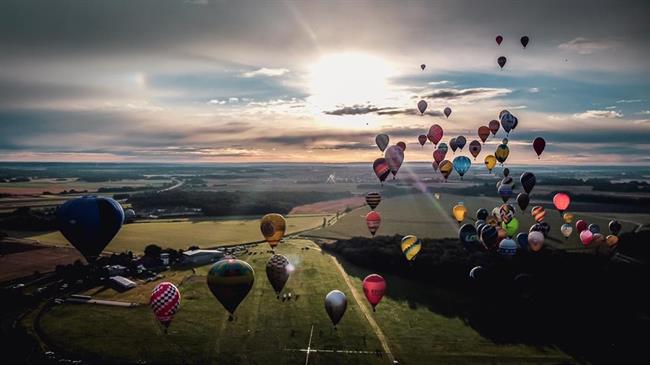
point(538, 145)
point(373, 221)
point(423, 66)
point(490, 161)
point(494, 126)
point(273, 226)
point(230, 280)
point(443, 147)
point(507, 122)
point(447, 111)
point(460, 142)
point(524, 41)
point(501, 61)
point(499, 39)
point(475, 148)
point(164, 301)
point(453, 145)
point(374, 287)
point(528, 181)
point(422, 138)
point(382, 141)
point(502, 153)
point(89, 223)
point(335, 305)
point(422, 106)
point(435, 134)
point(380, 166)
point(394, 156)
point(461, 165)
point(561, 202)
point(483, 133)
point(410, 247)
point(446, 167)
point(373, 199)
point(278, 270)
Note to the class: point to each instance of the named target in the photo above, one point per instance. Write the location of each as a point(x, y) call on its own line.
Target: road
point(178, 184)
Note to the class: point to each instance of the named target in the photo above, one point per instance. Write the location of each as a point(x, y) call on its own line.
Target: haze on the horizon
point(240, 81)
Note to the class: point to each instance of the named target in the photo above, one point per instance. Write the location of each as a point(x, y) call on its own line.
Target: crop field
point(182, 233)
point(38, 186)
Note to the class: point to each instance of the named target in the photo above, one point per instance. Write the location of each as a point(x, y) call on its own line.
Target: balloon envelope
point(586, 237)
point(230, 280)
point(475, 148)
point(435, 134)
point(459, 211)
point(505, 192)
point(594, 228)
point(506, 212)
point(422, 138)
point(374, 287)
point(483, 133)
point(394, 156)
point(273, 226)
point(373, 199)
point(423, 66)
point(443, 147)
point(501, 61)
point(89, 223)
point(615, 227)
point(446, 167)
point(482, 214)
point(522, 200)
point(528, 181)
point(566, 230)
point(401, 145)
point(410, 247)
point(422, 106)
point(380, 166)
point(490, 161)
point(278, 270)
point(538, 145)
point(567, 217)
point(461, 165)
point(494, 126)
point(524, 41)
point(581, 225)
point(382, 141)
point(489, 236)
point(452, 144)
point(511, 227)
point(439, 155)
point(561, 201)
point(502, 153)
point(164, 301)
point(499, 39)
point(460, 142)
point(507, 248)
point(522, 240)
point(535, 240)
point(335, 305)
point(468, 236)
point(373, 221)
point(538, 213)
point(447, 111)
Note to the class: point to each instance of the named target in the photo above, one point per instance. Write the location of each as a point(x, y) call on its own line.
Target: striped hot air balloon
point(380, 166)
point(538, 213)
point(164, 301)
point(373, 220)
point(373, 199)
point(410, 247)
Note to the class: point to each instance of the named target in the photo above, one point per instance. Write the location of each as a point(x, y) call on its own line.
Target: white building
point(201, 257)
point(122, 282)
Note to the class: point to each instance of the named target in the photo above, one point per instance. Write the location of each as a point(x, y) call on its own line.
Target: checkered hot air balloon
point(164, 301)
point(278, 270)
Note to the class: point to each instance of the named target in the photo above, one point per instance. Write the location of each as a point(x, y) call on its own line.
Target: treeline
point(591, 306)
point(225, 203)
point(26, 219)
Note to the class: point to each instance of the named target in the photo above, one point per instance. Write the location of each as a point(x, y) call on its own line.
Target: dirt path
point(359, 299)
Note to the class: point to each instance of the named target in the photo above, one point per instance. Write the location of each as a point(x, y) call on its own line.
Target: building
point(164, 257)
point(201, 257)
point(122, 283)
point(115, 270)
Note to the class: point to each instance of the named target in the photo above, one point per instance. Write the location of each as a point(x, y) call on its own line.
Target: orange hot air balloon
point(538, 213)
point(460, 212)
point(446, 167)
point(611, 240)
point(483, 133)
point(561, 202)
point(373, 220)
point(273, 226)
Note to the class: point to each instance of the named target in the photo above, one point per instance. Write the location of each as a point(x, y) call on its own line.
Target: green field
point(427, 217)
point(182, 233)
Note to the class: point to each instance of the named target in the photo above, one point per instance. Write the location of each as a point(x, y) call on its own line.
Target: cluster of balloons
point(501, 61)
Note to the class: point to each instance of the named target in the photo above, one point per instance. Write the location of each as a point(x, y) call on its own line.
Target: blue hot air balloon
point(89, 223)
point(461, 165)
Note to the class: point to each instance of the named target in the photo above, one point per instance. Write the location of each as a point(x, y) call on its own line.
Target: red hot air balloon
point(373, 220)
point(447, 111)
point(501, 61)
point(435, 134)
point(422, 106)
point(494, 126)
point(499, 39)
point(422, 138)
point(164, 301)
point(475, 148)
point(401, 145)
point(483, 133)
point(374, 287)
point(581, 225)
point(439, 155)
point(561, 202)
point(381, 169)
point(538, 145)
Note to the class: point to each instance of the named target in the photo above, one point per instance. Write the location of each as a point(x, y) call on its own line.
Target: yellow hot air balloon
point(459, 212)
point(568, 217)
point(490, 162)
point(611, 240)
point(446, 167)
point(273, 226)
point(411, 247)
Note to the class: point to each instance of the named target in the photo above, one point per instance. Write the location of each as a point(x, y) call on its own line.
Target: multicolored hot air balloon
point(394, 156)
point(502, 153)
point(538, 213)
point(507, 122)
point(380, 166)
point(459, 211)
point(443, 147)
point(422, 138)
point(278, 270)
point(538, 145)
point(561, 202)
point(462, 165)
point(499, 39)
point(446, 167)
point(490, 161)
point(335, 305)
point(273, 226)
point(447, 111)
point(475, 148)
point(535, 241)
point(567, 217)
point(382, 141)
point(373, 199)
point(505, 192)
point(374, 287)
point(494, 126)
point(230, 280)
point(506, 212)
point(468, 236)
point(422, 106)
point(511, 227)
point(524, 41)
point(566, 230)
point(164, 301)
point(489, 236)
point(528, 181)
point(501, 61)
point(483, 133)
point(435, 134)
point(460, 142)
point(89, 223)
point(410, 247)
point(373, 221)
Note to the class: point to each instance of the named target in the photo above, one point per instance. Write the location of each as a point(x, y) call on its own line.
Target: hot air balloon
point(380, 166)
point(483, 133)
point(273, 226)
point(230, 280)
point(611, 240)
point(494, 126)
point(434, 164)
point(475, 148)
point(335, 305)
point(410, 247)
point(443, 147)
point(374, 287)
point(522, 201)
point(567, 217)
point(561, 202)
point(598, 239)
point(476, 272)
point(164, 301)
point(566, 230)
point(594, 228)
point(507, 122)
point(401, 145)
point(459, 211)
point(460, 142)
point(543, 227)
point(422, 66)
point(538, 145)
point(499, 39)
point(581, 225)
point(422, 138)
point(453, 145)
point(511, 227)
point(461, 165)
point(501, 61)
point(522, 240)
point(89, 223)
point(435, 134)
point(373, 220)
point(468, 236)
point(278, 270)
point(373, 199)
point(502, 153)
point(382, 141)
point(535, 241)
point(490, 161)
point(505, 192)
point(422, 106)
point(439, 155)
point(489, 236)
point(506, 212)
point(528, 181)
point(538, 213)
point(447, 111)
point(524, 41)
point(615, 227)
point(586, 237)
point(394, 157)
point(446, 167)
point(507, 248)
point(482, 214)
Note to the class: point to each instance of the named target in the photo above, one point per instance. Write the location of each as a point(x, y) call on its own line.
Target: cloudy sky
point(212, 80)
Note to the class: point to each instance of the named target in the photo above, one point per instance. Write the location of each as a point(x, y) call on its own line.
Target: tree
point(153, 251)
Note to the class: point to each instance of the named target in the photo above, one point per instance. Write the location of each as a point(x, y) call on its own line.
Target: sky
point(294, 81)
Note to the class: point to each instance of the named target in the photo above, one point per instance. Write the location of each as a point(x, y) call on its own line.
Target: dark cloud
point(21, 92)
point(412, 111)
point(356, 110)
point(355, 146)
point(469, 94)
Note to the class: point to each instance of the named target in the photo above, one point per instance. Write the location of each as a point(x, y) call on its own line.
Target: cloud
point(411, 111)
point(584, 46)
point(627, 101)
point(643, 112)
point(355, 110)
point(466, 95)
point(611, 107)
point(267, 72)
point(441, 82)
point(598, 114)
point(217, 102)
point(533, 90)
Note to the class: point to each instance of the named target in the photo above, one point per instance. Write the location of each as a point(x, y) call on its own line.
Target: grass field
point(182, 233)
point(425, 216)
point(37, 186)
